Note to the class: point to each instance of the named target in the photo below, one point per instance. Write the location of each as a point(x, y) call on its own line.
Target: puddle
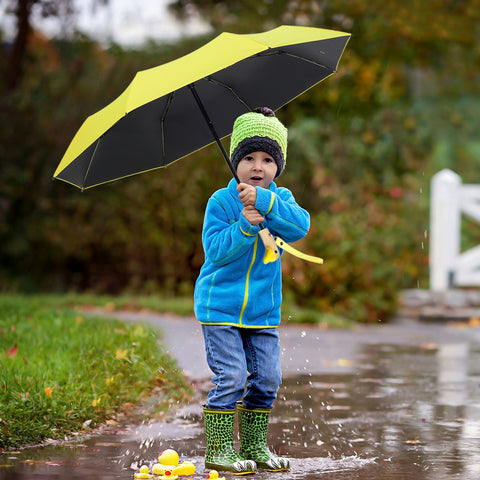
point(399, 411)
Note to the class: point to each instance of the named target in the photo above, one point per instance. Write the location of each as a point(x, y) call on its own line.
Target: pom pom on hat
point(259, 131)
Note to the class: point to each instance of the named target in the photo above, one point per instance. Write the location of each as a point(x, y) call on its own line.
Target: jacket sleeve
point(224, 241)
point(283, 214)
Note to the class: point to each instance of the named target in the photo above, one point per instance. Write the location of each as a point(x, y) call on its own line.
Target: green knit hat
point(259, 131)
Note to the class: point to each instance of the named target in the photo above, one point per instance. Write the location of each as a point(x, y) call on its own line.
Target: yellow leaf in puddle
point(474, 322)
point(415, 441)
point(344, 362)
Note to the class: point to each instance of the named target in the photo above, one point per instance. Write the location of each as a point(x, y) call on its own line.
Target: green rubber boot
point(220, 454)
point(253, 429)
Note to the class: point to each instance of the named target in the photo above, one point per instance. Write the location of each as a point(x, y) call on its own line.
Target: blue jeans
point(242, 355)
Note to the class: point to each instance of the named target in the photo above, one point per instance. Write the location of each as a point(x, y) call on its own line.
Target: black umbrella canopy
point(165, 129)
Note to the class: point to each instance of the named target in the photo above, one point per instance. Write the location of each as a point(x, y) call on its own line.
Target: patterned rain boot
point(253, 428)
point(220, 454)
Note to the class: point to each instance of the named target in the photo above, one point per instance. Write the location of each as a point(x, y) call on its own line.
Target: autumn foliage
point(363, 146)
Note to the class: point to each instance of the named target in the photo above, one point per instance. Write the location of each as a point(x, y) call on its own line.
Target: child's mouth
point(256, 179)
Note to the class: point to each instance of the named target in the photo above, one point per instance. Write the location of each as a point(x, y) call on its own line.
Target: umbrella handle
point(271, 250)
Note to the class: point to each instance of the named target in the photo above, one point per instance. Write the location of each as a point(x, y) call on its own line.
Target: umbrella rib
point(90, 162)
point(282, 52)
point(162, 121)
point(228, 87)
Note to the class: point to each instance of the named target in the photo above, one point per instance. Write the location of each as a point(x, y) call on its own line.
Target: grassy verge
point(61, 370)
point(291, 313)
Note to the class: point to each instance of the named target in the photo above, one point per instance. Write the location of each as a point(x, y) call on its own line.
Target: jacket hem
point(232, 324)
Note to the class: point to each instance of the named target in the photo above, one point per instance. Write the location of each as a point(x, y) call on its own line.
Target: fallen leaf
point(474, 322)
point(11, 352)
point(109, 307)
point(415, 441)
point(139, 331)
point(48, 391)
point(121, 354)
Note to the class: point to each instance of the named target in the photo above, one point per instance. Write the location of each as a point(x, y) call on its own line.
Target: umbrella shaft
point(212, 129)
point(214, 133)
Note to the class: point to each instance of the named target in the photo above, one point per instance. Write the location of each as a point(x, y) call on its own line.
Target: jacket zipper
point(245, 298)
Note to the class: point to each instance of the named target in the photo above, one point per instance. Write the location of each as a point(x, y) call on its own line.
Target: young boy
point(238, 297)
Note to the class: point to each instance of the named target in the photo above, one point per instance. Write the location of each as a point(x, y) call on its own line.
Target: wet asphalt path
point(393, 401)
point(305, 349)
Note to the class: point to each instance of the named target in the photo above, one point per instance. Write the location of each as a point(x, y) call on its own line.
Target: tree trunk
point(19, 49)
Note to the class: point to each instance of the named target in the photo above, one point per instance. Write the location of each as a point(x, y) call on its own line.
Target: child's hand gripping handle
point(271, 250)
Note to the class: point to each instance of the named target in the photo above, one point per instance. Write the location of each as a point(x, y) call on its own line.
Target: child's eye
point(268, 160)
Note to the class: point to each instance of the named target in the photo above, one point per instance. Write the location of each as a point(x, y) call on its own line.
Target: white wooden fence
point(449, 267)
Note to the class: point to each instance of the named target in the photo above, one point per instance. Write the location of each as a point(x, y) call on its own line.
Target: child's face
point(257, 169)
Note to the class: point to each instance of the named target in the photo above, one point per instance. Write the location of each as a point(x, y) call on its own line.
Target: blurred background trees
point(363, 147)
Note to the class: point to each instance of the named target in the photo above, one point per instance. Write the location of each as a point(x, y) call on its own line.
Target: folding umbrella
point(172, 110)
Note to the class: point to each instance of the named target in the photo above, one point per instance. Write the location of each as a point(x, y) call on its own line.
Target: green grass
point(182, 305)
point(79, 301)
point(59, 369)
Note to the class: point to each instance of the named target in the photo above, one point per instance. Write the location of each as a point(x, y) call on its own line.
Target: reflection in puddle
point(399, 412)
point(415, 411)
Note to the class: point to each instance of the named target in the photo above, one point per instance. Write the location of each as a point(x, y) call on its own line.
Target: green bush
point(363, 147)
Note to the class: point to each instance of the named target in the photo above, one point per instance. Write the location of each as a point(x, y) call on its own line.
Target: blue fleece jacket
point(235, 287)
